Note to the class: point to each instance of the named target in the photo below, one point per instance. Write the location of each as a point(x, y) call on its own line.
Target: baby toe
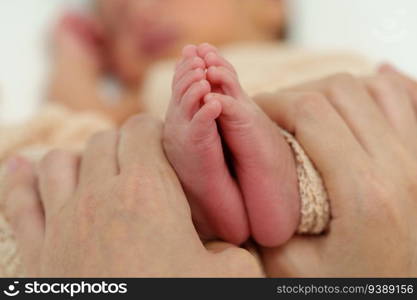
point(181, 86)
point(203, 119)
point(189, 51)
point(205, 48)
point(214, 59)
point(191, 101)
point(186, 66)
point(226, 79)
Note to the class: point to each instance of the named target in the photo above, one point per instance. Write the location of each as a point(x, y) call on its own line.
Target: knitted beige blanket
point(57, 127)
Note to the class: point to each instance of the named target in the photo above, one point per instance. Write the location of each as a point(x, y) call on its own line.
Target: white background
point(379, 29)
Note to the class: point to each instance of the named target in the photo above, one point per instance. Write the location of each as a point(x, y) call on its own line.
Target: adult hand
point(362, 137)
point(119, 210)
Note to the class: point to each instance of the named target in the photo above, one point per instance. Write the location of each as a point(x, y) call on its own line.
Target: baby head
point(142, 31)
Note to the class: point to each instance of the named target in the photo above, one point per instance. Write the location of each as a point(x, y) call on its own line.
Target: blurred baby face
point(153, 29)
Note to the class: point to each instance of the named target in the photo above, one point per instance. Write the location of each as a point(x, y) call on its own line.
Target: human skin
point(118, 210)
point(362, 137)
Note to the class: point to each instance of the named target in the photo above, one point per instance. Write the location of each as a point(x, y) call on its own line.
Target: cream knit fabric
point(9, 260)
point(315, 206)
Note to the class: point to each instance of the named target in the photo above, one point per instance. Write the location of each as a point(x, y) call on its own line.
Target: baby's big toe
point(225, 79)
point(203, 127)
point(187, 65)
point(189, 51)
point(213, 59)
point(205, 48)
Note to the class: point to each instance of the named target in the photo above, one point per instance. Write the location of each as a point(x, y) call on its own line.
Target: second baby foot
point(262, 159)
point(194, 148)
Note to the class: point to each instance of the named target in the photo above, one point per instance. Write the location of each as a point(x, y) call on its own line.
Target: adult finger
point(354, 104)
point(234, 261)
point(299, 251)
point(391, 96)
point(140, 143)
point(410, 84)
point(24, 211)
point(325, 137)
point(58, 175)
point(99, 159)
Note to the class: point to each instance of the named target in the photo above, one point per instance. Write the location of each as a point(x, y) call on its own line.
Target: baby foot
point(193, 146)
point(262, 159)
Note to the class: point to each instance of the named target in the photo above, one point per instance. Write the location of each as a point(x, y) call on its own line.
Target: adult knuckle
point(97, 136)
point(55, 157)
point(51, 166)
point(340, 83)
point(100, 136)
point(375, 84)
point(342, 80)
point(310, 105)
point(144, 122)
point(391, 80)
point(380, 85)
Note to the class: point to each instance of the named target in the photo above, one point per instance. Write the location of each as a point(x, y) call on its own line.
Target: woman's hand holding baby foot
point(118, 210)
point(194, 148)
point(262, 159)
